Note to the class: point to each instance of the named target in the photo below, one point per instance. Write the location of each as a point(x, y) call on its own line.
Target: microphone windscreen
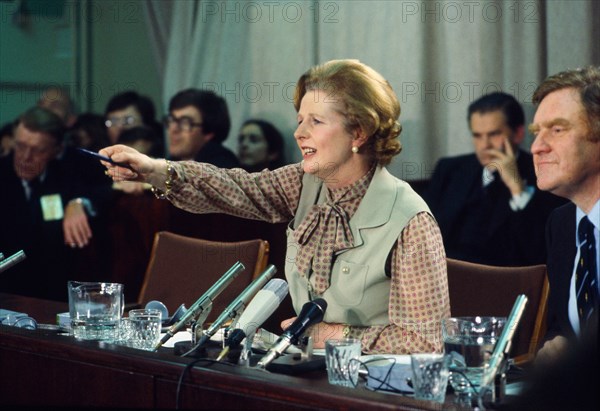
point(263, 305)
point(278, 287)
point(311, 313)
point(321, 303)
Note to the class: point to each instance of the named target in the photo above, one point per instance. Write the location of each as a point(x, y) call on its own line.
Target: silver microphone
point(502, 346)
point(203, 303)
point(17, 257)
point(238, 305)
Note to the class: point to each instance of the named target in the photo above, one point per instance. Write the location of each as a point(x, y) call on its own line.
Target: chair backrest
point(181, 269)
point(477, 289)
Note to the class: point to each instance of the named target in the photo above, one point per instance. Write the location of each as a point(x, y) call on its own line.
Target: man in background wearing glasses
point(197, 124)
point(36, 187)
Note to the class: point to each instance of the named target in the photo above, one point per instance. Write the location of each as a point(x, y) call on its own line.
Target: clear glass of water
point(469, 342)
point(95, 309)
point(341, 356)
point(145, 328)
point(429, 376)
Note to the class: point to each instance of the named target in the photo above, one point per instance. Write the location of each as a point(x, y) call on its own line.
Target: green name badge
point(52, 207)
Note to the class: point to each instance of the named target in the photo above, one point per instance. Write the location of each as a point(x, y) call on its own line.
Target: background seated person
point(260, 146)
point(86, 131)
point(127, 110)
point(486, 203)
point(197, 124)
point(36, 188)
point(58, 100)
point(566, 152)
point(358, 237)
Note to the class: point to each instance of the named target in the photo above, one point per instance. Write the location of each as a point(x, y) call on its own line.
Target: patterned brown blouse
point(419, 285)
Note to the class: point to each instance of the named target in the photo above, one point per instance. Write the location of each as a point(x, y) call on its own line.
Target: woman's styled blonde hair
point(367, 100)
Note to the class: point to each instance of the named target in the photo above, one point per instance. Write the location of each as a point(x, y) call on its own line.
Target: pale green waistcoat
point(359, 288)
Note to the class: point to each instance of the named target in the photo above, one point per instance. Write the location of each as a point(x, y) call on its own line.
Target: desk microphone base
point(293, 364)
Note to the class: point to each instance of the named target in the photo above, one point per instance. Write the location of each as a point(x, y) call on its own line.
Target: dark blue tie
point(586, 277)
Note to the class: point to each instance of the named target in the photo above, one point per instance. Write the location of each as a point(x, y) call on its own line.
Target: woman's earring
point(355, 149)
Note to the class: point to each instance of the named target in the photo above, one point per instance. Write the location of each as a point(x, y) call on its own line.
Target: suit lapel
point(561, 254)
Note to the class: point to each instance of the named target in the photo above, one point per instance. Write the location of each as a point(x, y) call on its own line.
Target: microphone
point(203, 303)
point(502, 345)
point(262, 306)
point(237, 306)
point(17, 257)
point(312, 312)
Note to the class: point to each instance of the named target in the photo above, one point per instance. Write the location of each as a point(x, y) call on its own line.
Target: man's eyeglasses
point(127, 121)
point(183, 123)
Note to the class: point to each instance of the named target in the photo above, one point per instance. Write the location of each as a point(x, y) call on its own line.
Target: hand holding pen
point(124, 163)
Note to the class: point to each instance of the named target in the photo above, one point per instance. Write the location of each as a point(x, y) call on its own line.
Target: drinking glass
point(469, 342)
point(341, 356)
point(95, 309)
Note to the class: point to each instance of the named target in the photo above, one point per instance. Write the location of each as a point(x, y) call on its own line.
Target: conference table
point(46, 368)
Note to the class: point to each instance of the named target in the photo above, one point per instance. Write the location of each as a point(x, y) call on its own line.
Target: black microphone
point(17, 257)
point(204, 303)
point(312, 312)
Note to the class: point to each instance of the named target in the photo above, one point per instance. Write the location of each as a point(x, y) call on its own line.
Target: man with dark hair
point(36, 188)
point(566, 154)
point(127, 110)
point(486, 203)
point(198, 123)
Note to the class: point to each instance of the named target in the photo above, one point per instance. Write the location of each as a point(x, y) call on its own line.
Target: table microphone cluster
point(246, 313)
point(273, 293)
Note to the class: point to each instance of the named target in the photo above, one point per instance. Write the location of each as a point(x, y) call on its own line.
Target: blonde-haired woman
point(358, 237)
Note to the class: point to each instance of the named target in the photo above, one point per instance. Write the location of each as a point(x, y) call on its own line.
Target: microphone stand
point(233, 310)
point(204, 303)
point(489, 394)
point(246, 352)
point(17, 257)
point(198, 323)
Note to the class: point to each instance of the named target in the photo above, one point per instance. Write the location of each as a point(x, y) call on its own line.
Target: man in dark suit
point(37, 189)
point(486, 203)
point(197, 124)
point(566, 154)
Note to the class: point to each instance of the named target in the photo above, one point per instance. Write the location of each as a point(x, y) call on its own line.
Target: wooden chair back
point(181, 269)
point(483, 290)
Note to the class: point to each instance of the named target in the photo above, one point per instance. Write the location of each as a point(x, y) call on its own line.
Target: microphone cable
point(187, 369)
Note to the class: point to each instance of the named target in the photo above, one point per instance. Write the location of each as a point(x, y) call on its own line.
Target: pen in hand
point(104, 158)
